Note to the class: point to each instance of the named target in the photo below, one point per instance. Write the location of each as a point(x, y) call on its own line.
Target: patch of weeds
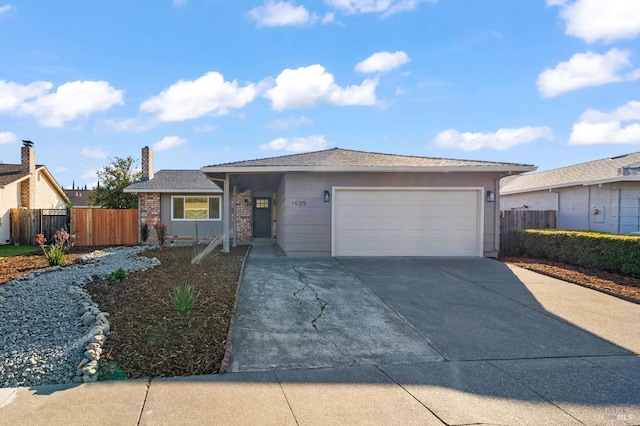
point(108, 370)
point(118, 275)
point(183, 296)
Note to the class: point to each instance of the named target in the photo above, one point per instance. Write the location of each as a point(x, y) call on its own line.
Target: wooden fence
point(512, 221)
point(27, 223)
point(104, 227)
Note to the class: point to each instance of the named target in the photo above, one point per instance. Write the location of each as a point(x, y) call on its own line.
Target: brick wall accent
point(28, 186)
point(244, 231)
point(150, 211)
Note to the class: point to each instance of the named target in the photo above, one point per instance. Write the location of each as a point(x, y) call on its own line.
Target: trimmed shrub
point(595, 250)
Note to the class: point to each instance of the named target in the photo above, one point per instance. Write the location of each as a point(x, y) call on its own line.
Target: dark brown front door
point(262, 217)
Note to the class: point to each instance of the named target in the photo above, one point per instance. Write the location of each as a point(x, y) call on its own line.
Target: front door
point(262, 217)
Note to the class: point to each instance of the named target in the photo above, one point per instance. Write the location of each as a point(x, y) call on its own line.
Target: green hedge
point(596, 250)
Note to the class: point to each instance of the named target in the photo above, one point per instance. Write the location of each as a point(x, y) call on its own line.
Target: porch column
point(227, 215)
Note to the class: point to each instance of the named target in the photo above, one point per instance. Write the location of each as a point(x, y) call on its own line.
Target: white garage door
point(407, 221)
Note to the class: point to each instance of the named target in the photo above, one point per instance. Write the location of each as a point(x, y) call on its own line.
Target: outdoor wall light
point(327, 196)
point(246, 202)
point(491, 196)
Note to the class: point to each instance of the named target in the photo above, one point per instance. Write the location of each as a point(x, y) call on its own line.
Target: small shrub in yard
point(108, 370)
point(183, 296)
point(161, 232)
point(145, 230)
point(595, 250)
point(55, 253)
point(118, 275)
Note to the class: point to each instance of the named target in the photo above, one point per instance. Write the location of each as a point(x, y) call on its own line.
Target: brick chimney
point(147, 163)
point(28, 186)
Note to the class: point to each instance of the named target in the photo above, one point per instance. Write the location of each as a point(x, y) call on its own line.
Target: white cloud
point(328, 18)
point(12, 95)
point(178, 3)
point(307, 87)
point(7, 137)
point(279, 14)
point(6, 8)
point(303, 144)
point(287, 123)
point(169, 142)
point(606, 20)
point(586, 69)
point(386, 7)
point(383, 61)
point(93, 153)
point(61, 169)
point(205, 128)
point(400, 91)
point(622, 126)
point(70, 101)
point(129, 124)
point(188, 99)
point(502, 139)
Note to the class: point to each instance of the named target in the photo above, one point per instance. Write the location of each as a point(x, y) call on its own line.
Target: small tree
point(112, 180)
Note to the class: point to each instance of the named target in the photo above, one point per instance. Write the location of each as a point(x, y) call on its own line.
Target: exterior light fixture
point(246, 202)
point(491, 196)
point(327, 196)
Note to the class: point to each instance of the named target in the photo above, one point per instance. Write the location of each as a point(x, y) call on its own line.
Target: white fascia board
point(173, 191)
point(630, 178)
point(402, 169)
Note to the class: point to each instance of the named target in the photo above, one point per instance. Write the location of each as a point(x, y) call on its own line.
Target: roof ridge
point(359, 152)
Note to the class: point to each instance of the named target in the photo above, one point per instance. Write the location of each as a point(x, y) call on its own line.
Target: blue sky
point(543, 82)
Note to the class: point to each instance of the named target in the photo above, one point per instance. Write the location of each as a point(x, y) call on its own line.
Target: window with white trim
point(195, 208)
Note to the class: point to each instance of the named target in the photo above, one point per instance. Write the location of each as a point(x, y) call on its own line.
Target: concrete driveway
point(471, 340)
point(310, 313)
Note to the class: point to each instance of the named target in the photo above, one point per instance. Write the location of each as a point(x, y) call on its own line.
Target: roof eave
point(630, 178)
point(511, 169)
point(173, 191)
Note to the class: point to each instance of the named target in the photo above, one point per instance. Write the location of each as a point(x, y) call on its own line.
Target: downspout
point(227, 214)
point(496, 225)
point(235, 216)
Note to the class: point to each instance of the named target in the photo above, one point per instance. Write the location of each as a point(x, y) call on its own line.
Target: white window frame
point(208, 197)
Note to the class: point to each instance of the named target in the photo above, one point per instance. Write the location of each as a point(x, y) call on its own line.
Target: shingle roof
point(338, 157)
point(12, 172)
point(78, 197)
point(175, 181)
point(624, 167)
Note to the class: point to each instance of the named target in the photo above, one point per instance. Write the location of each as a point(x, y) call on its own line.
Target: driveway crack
point(322, 304)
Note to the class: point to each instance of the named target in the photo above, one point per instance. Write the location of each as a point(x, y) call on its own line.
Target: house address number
point(297, 203)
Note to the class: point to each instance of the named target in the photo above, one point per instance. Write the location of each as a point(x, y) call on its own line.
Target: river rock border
point(91, 316)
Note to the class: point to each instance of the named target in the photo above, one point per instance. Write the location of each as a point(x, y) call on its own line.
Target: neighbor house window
point(195, 208)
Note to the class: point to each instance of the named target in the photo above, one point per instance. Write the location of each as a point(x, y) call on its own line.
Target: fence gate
point(104, 227)
point(52, 220)
point(27, 223)
point(512, 221)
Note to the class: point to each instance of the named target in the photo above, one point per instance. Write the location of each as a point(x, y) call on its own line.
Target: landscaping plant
point(183, 296)
point(55, 254)
point(161, 232)
point(118, 275)
point(144, 232)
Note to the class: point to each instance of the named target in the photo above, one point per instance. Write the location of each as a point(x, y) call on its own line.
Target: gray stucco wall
point(188, 228)
point(304, 219)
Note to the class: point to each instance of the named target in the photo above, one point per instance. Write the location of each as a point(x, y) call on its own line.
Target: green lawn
point(10, 250)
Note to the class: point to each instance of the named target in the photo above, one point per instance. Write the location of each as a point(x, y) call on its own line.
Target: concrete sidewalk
point(568, 391)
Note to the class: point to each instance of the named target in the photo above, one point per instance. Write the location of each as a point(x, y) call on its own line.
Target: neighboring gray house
point(341, 202)
point(185, 200)
point(601, 195)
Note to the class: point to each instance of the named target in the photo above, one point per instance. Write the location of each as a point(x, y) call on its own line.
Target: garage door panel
point(390, 222)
